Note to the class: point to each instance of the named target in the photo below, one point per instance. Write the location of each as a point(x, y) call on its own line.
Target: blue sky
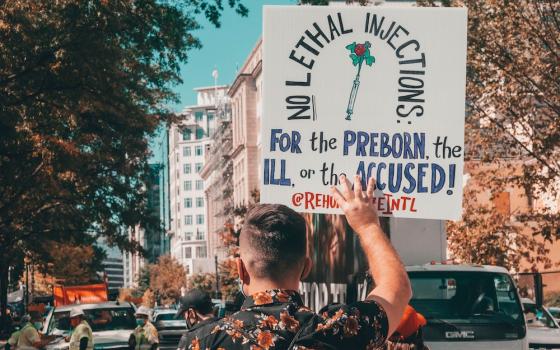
point(224, 48)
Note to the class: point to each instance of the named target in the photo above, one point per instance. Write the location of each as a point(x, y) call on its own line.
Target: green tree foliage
point(203, 281)
point(83, 84)
point(142, 280)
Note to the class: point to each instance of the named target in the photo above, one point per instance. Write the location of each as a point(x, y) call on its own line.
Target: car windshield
point(538, 317)
point(106, 319)
point(466, 297)
point(166, 317)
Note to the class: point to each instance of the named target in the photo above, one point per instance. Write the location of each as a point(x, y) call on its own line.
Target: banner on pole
point(373, 91)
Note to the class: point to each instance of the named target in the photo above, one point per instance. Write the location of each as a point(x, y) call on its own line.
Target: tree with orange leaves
point(512, 133)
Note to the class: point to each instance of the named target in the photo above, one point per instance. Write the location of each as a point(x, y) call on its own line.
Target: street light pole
point(26, 294)
point(218, 294)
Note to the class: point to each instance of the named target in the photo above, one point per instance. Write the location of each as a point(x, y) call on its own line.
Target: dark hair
point(275, 238)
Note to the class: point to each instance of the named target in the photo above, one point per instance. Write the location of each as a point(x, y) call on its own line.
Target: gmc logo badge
point(460, 335)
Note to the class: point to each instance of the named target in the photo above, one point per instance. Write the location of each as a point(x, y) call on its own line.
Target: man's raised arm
point(392, 286)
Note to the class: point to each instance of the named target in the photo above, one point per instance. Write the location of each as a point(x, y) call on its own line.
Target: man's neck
point(263, 285)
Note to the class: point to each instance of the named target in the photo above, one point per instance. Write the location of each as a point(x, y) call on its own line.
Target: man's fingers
point(370, 187)
point(358, 187)
point(346, 187)
point(338, 197)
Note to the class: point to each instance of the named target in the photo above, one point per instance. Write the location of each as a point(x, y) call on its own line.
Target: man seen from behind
point(273, 260)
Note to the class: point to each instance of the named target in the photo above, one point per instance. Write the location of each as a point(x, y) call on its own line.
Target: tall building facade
point(246, 108)
point(112, 266)
point(190, 139)
point(217, 176)
point(155, 240)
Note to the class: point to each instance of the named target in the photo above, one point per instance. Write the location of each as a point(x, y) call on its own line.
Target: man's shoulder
point(29, 331)
point(203, 328)
point(83, 327)
point(201, 335)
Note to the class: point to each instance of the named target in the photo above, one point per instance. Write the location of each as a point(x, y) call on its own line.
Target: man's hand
point(357, 205)
point(392, 287)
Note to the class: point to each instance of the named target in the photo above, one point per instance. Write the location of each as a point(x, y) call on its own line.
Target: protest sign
point(373, 91)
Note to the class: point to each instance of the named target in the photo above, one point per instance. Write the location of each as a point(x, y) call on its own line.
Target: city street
point(279, 174)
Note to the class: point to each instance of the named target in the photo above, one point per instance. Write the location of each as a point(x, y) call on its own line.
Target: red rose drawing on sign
point(358, 53)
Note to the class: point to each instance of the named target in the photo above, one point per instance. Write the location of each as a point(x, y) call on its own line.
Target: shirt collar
point(273, 296)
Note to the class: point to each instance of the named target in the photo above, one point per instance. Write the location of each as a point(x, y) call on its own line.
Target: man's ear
point(242, 271)
point(307, 266)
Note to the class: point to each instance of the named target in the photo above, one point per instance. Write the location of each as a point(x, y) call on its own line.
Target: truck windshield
point(465, 303)
point(107, 319)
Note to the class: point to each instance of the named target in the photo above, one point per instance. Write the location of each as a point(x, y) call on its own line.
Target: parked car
point(555, 312)
point(543, 331)
point(111, 322)
point(170, 329)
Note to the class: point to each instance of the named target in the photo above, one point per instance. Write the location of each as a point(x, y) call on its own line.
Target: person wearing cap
point(29, 338)
point(197, 309)
point(11, 344)
point(82, 335)
point(145, 336)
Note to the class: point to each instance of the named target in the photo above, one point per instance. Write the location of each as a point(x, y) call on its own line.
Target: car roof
point(456, 268)
point(104, 305)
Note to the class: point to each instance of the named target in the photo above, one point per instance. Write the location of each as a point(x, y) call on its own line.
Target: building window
point(198, 116)
point(198, 167)
point(188, 219)
point(199, 202)
point(199, 185)
point(187, 185)
point(188, 202)
point(200, 235)
point(188, 236)
point(188, 253)
point(186, 168)
point(200, 219)
point(199, 133)
point(210, 117)
point(186, 151)
point(198, 150)
point(188, 269)
point(187, 134)
point(201, 252)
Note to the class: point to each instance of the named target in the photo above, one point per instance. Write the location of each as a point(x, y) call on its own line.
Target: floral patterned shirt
point(276, 319)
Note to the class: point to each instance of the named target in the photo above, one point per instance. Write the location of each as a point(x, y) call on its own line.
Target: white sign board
point(374, 91)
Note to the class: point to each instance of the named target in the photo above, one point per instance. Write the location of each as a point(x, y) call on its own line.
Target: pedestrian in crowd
point(273, 260)
point(408, 335)
point(82, 335)
point(197, 309)
point(11, 344)
point(29, 338)
point(145, 336)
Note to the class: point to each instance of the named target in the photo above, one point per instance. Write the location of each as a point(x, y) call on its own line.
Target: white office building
point(188, 141)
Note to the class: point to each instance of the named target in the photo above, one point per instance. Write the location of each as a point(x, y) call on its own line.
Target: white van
point(468, 307)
